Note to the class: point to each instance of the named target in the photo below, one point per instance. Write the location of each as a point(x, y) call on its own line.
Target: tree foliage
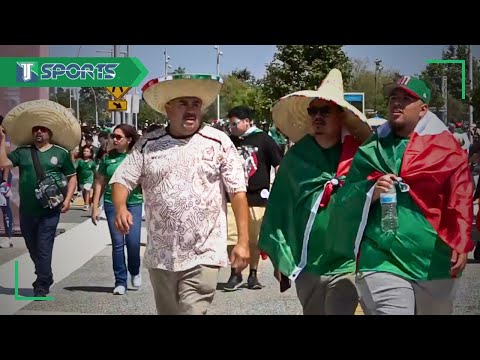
point(303, 67)
point(457, 108)
point(179, 70)
point(365, 79)
point(244, 75)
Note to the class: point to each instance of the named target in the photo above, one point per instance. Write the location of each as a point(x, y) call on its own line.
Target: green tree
point(364, 79)
point(302, 67)
point(179, 70)
point(91, 101)
point(60, 95)
point(245, 75)
point(147, 115)
point(457, 107)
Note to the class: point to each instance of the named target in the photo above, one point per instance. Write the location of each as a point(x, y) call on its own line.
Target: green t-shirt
point(85, 171)
point(415, 251)
point(55, 162)
point(107, 167)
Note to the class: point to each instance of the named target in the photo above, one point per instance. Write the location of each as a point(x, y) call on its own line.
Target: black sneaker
point(234, 282)
point(476, 253)
point(40, 293)
point(253, 283)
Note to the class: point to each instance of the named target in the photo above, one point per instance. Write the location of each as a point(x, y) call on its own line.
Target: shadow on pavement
point(99, 289)
point(221, 286)
point(10, 291)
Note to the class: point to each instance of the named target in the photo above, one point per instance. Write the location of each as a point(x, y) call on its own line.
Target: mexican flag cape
point(435, 198)
point(296, 215)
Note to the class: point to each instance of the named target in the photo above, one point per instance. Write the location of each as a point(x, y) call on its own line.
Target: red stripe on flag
point(436, 169)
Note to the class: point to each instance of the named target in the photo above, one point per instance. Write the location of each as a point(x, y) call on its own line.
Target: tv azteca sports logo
point(30, 72)
point(27, 71)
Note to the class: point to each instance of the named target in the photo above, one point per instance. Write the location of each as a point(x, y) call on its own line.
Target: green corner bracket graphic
point(27, 298)
point(440, 61)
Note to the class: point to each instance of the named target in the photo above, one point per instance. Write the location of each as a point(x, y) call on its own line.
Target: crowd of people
point(382, 218)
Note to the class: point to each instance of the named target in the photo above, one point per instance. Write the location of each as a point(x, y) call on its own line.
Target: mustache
point(319, 122)
point(189, 115)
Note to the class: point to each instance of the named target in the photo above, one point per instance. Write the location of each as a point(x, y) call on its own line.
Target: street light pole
point(78, 90)
point(219, 53)
point(166, 60)
point(116, 114)
point(96, 108)
point(378, 67)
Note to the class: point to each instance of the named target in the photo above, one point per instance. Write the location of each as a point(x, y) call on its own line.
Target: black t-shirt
point(259, 153)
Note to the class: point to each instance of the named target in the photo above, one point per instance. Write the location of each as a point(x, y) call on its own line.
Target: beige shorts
point(255, 218)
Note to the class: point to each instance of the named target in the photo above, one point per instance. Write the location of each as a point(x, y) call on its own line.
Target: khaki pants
point(255, 219)
point(188, 292)
point(327, 294)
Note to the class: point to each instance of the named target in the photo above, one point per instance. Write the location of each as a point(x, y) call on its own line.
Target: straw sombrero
point(19, 121)
point(291, 117)
point(158, 92)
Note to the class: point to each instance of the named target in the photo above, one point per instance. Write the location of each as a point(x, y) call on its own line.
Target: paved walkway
point(84, 282)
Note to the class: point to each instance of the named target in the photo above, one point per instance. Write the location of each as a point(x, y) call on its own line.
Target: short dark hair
point(241, 112)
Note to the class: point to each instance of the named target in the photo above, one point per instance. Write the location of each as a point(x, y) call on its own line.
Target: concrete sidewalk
point(82, 267)
point(72, 250)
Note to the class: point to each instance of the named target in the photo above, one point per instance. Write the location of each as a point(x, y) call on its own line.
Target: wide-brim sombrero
point(291, 117)
point(65, 128)
point(158, 92)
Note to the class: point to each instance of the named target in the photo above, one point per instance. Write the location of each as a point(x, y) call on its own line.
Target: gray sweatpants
point(388, 294)
point(327, 294)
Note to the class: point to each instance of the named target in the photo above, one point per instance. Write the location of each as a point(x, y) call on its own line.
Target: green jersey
point(55, 162)
point(107, 167)
point(85, 171)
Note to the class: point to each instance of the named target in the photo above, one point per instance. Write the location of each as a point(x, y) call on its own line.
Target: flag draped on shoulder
point(434, 172)
point(292, 228)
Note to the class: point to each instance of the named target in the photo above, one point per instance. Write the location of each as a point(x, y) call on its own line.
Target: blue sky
point(407, 59)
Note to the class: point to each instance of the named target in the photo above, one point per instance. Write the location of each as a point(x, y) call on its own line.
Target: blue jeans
point(7, 211)
point(39, 234)
point(132, 240)
point(7, 218)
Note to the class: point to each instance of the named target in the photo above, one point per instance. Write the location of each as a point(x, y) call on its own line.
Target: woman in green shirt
point(124, 137)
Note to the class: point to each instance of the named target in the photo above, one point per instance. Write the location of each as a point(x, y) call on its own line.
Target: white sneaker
point(86, 207)
point(119, 290)
point(137, 281)
point(5, 243)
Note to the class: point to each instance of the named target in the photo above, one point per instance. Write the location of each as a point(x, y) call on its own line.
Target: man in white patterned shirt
point(184, 171)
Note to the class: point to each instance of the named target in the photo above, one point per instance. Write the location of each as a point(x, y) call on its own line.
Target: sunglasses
point(235, 122)
point(116, 137)
point(322, 110)
point(39, 128)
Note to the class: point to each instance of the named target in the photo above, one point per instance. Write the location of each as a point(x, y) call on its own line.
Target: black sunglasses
point(41, 128)
point(322, 110)
point(116, 137)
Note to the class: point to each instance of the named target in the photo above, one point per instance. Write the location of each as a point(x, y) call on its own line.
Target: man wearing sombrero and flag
point(411, 267)
point(327, 131)
point(185, 171)
point(44, 131)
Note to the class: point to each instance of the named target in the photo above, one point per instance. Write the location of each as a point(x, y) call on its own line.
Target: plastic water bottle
point(388, 202)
